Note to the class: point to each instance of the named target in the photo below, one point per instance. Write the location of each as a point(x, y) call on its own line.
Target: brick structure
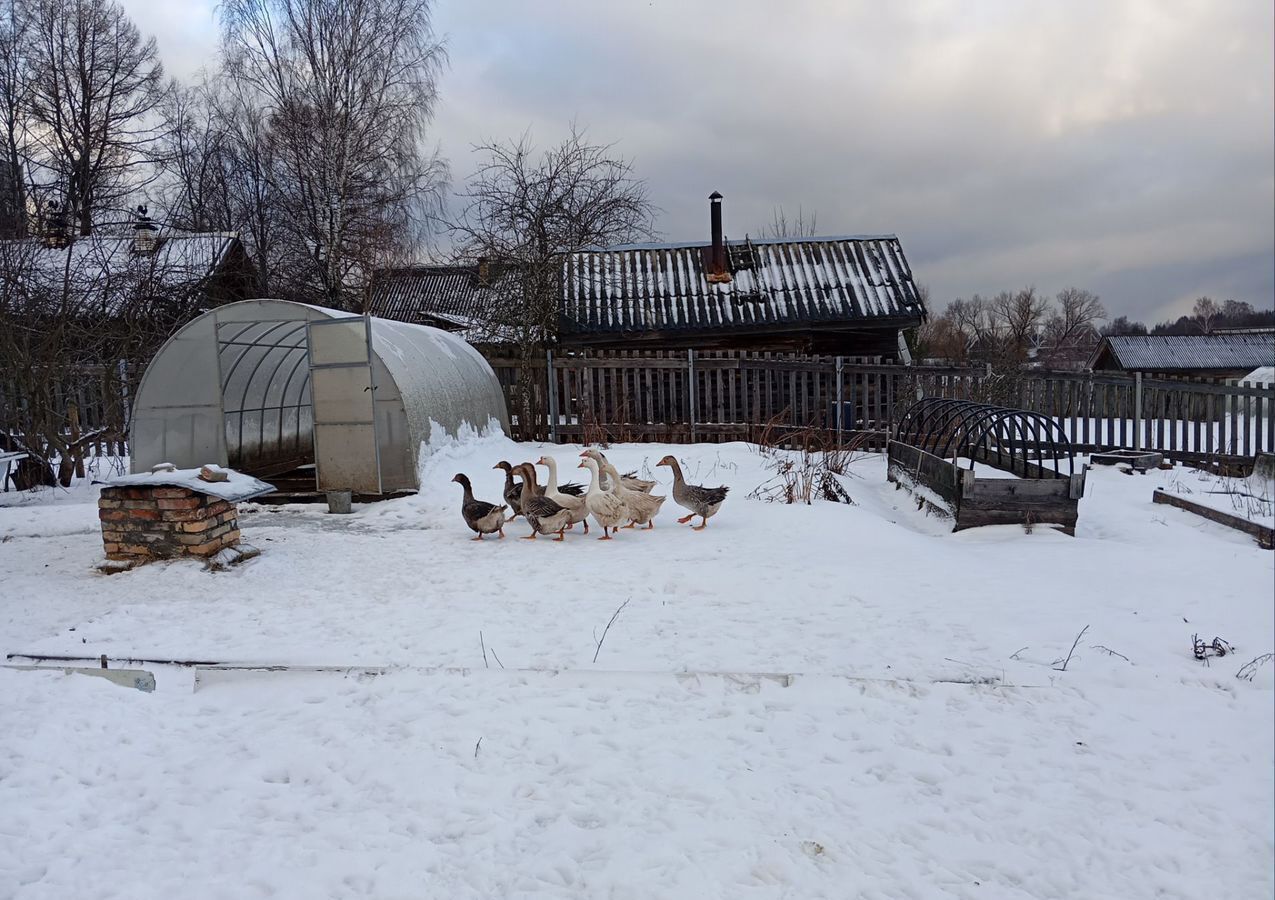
point(162, 522)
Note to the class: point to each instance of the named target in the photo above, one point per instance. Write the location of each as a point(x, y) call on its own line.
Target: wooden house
point(852, 295)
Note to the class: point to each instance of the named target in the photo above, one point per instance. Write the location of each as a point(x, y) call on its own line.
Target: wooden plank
point(1247, 422)
point(1196, 411)
point(1264, 534)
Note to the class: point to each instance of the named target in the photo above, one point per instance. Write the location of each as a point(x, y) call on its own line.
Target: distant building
point(1214, 356)
point(853, 296)
point(145, 272)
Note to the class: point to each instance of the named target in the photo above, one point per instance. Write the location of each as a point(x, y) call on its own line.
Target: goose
point(642, 507)
point(542, 514)
point(701, 501)
point(608, 510)
point(629, 480)
point(579, 509)
point(481, 517)
point(513, 489)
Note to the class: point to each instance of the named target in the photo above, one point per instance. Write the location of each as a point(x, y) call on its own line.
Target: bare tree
point(347, 88)
point(1122, 325)
point(971, 319)
point(1073, 324)
point(15, 88)
point(94, 86)
point(1017, 317)
point(1205, 313)
point(524, 210)
point(197, 162)
point(781, 226)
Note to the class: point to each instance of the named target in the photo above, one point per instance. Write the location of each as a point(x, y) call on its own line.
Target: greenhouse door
point(342, 391)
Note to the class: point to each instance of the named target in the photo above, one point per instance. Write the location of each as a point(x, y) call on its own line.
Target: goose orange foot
point(685, 519)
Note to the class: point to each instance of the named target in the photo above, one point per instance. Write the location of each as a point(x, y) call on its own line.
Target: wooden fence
point(681, 397)
point(722, 396)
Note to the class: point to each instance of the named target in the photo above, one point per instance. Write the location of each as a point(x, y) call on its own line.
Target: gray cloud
point(1124, 146)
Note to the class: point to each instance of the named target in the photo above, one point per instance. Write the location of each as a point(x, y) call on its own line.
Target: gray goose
point(701, 501)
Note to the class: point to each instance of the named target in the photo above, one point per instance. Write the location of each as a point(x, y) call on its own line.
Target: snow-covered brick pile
point(170, 512)
point(162, 522)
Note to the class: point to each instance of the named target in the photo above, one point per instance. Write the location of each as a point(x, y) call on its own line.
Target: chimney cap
point(715, 196)
point(143, 222)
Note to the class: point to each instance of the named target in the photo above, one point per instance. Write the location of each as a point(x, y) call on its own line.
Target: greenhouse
point(283, 390)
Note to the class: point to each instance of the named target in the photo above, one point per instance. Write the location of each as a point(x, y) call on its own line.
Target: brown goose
point(513, 489)
point(701, 501)
point(481, 517)
point(542, 514)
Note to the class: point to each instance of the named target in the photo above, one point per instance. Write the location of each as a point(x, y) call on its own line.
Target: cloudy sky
point(1125, 146)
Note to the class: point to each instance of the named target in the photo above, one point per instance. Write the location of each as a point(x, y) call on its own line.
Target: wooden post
point(553, 397)
point(692, 391)
point(77, 452)
point(1137, 410)
point(840, 411)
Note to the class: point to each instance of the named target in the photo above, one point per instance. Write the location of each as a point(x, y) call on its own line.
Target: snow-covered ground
point(1251, 498)
point(823, 701)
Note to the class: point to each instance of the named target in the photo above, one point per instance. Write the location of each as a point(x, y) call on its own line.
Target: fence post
point(693, 391)
point(840, 411)
point(553, 397)
point(1137, 410)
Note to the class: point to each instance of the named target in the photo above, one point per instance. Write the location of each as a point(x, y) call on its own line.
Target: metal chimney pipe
point(718, 255)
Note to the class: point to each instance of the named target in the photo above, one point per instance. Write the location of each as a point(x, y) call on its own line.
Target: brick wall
point(141, 523)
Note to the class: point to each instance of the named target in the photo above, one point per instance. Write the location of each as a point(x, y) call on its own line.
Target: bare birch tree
point(347, 88)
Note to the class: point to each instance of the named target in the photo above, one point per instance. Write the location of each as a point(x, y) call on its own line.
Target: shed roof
point(105, 271)
point(1187, 352)
point(450, 297)
point(641, 287)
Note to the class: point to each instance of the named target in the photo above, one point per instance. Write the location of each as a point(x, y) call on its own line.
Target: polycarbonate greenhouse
point(271, 387)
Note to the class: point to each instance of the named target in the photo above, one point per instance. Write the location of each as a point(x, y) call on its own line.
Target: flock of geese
point(611, 499)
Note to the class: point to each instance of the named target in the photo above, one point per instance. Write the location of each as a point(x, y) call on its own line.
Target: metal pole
point(694, 398)
point(840, 402)
point(1137, 410)
point(553, 397)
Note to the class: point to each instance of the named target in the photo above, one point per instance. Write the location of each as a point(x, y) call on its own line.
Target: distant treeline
point(1206, 317)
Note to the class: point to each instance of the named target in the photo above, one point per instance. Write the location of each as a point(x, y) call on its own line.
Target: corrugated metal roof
point(405, 294)
point(650, 287)
point(1180, 352)
point(447, 297)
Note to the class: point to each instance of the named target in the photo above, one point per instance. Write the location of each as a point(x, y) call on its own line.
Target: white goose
point(576, 505)
point(607, 508)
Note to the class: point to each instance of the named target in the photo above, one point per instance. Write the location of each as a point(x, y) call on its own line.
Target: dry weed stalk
point(807, 462)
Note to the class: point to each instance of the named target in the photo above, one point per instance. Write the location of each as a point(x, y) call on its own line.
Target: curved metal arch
point(909, 425)
point(954, 427)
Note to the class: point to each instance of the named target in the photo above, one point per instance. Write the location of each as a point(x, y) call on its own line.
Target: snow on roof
point(642, 287)
point(1180, 352)
point(105, 270)
point(1264, 375)
point(237, 485)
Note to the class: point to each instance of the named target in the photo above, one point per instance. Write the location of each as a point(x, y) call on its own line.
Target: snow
point(821, 701)
point(237, 485)
point(1251, 498)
